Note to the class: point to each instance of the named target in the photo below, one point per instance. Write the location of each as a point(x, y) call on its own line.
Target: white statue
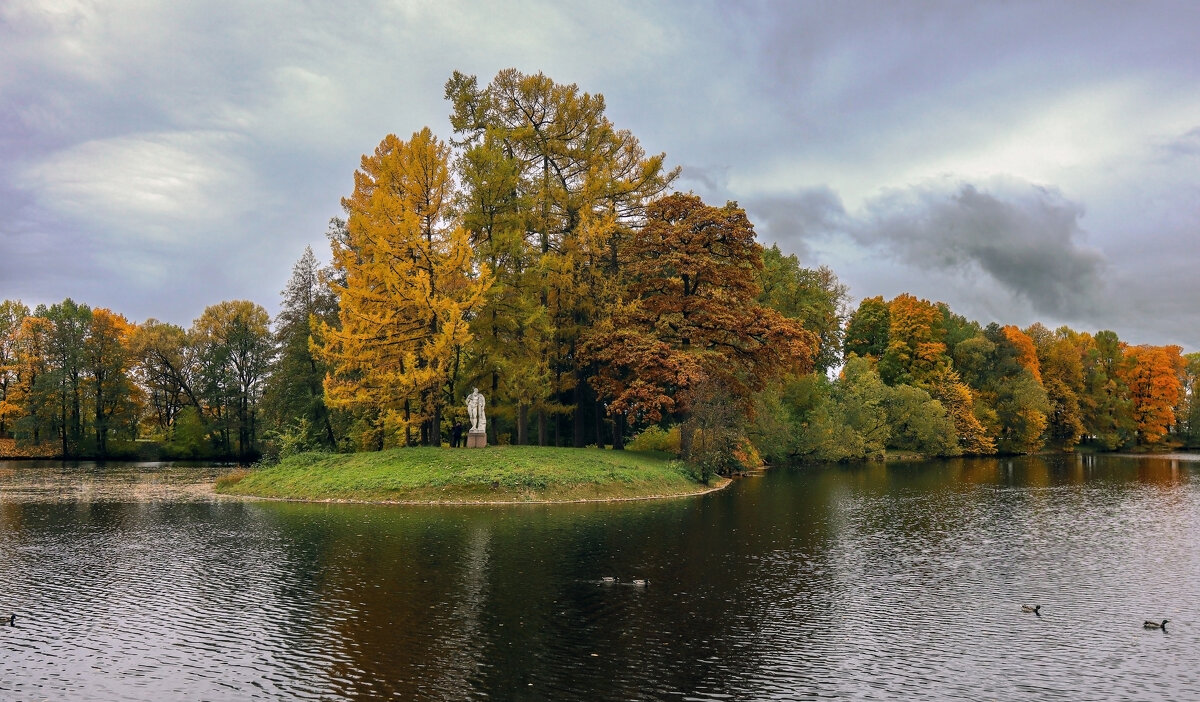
point(475, 411)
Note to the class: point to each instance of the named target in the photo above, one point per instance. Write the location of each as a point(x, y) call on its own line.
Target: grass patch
point(233, 477)
point(494, 474)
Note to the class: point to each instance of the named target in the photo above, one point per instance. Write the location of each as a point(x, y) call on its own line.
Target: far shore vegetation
point(543, 255)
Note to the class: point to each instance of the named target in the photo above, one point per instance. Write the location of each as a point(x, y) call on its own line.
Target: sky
point(1020, 161)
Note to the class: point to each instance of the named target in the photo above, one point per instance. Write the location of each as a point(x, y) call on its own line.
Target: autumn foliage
point(541, 255)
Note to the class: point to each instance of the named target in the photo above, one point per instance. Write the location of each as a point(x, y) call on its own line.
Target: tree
point(409, 290)
point(1025, 351)
point(1107, 405)
point(580, 190)
point(165, 366)
point(867, 330)
point(1188, 415)
point(813, 297)
point(1154, 376)
point(1060, 359)
point(915, 350)
point(513, 332)
point(12, 314)
point(863, 398)
point(113, 394)
point(956, 397)
point(917, 422)
point(294, 390)
point(233, 346)
point(64, 375)
point(33, 392)
point(691, 314)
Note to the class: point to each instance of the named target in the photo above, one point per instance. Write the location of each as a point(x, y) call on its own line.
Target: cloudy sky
point(1022, 161)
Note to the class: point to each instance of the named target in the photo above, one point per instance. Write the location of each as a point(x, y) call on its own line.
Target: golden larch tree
point(409, 289)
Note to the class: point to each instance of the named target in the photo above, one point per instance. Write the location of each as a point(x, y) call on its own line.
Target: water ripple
point(869, 582)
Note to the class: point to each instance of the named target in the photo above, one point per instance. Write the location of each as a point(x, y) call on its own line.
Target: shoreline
point(496, 476)
point(724, 483)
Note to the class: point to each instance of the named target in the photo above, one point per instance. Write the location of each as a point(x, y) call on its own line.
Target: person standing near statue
point(477, 429)
point(456, 434)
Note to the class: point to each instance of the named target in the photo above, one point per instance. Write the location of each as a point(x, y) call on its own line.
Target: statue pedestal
point(476, 439)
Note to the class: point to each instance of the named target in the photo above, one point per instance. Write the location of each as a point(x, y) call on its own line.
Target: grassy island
point(455, 476)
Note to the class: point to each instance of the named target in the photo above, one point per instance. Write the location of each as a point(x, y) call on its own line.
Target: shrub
point(656, 439)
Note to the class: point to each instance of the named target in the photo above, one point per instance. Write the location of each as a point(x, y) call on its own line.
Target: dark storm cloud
point(1026, 238)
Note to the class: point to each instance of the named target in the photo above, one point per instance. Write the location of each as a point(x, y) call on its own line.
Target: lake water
point(901, 581)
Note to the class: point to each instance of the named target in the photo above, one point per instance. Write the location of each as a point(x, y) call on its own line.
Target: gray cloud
point(1008, 237)
point(710, 179)
point(159, 157)
point(796, 220)
point(1183, 146)
point(1027, 238)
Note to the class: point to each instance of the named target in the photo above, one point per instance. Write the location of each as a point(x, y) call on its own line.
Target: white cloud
point(147, 184)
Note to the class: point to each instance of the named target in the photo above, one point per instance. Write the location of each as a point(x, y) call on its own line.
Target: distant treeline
point(543, 257)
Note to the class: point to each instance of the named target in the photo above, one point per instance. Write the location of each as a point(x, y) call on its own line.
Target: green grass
point(493, 474)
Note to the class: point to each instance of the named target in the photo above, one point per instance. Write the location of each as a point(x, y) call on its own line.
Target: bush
point(656, 439)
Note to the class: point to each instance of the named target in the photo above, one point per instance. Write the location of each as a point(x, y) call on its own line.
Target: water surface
point(870, 581)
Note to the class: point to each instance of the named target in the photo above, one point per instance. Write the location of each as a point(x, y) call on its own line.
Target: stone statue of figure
point(475, 411)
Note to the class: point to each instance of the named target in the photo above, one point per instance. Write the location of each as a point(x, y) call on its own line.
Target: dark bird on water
point(12, 620)
point(1155, 625)
point(1032, 608)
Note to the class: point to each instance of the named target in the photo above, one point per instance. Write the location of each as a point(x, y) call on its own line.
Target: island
point(501, 474)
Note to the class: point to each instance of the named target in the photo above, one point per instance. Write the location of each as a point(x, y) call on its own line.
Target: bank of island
point(497, 474)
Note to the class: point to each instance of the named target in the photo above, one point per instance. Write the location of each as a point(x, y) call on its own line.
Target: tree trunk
point(619, 432)
point(598, 410)
point(522, 424)
point(578, 426)
point(541, 422)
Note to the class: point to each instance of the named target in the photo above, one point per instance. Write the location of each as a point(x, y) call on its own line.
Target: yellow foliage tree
point(406, 288)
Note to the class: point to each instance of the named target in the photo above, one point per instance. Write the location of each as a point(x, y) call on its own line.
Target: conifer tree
point(581, 187)
point(409, 290)
point(294, 398)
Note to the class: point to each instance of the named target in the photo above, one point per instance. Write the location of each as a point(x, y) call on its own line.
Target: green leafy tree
point(917, 422)
point(1188, 414)
point(233, 345)
point(811, 296)
point(64, 376)
point(1107, 404)
point(165, 366)
point(1060, 357)
point(867, 330)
